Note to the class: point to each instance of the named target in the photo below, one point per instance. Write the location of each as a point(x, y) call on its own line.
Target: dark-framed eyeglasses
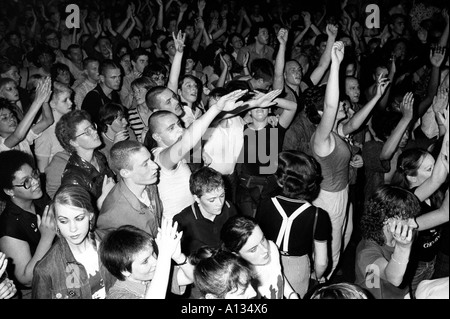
point(90, 130)
point(29, 179)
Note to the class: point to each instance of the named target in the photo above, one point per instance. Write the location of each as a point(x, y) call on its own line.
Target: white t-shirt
point(270, 275)
point(173, 186)
point(223, 145)
point(23, 146)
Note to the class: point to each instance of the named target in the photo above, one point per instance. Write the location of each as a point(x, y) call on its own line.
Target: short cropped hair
point(119, 246)
point(108, 65)
point(121, 152)
point(204, 180)
point(89, 60)
point(152, 97)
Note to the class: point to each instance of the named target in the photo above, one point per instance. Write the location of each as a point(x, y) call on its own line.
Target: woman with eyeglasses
point(26, 230)
point(86, 166)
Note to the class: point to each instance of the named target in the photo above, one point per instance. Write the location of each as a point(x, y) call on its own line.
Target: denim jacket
point(59, 276)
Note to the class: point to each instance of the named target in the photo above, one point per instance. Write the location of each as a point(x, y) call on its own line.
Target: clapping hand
point(168, 238)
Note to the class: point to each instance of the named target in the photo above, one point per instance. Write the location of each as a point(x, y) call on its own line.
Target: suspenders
point(286, 225)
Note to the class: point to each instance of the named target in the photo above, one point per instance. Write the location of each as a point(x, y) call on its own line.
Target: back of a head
point(262, 69)
point(341, 290)
point(152, 97)
point(236, 231)
point(218, 271)
point(299, 175)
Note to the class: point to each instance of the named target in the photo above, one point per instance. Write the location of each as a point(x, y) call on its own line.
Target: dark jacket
point(59, 276)
point(80, 172)
point(95, 99)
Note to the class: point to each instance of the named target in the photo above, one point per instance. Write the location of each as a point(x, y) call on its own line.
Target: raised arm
point(358, 118)
point(167, 240)
point(176, 64)
point(443, 41)
point(436, 217)
point(323, 141)
point(440, 170)
point(170, 156)
point(43, 92)
point(436, 59)
point(325, 58)
point(394, 269)
point(278, 78)
point(391, 144)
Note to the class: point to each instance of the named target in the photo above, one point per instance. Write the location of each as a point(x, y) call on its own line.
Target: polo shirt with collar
point(199, 231)
point(122, 207)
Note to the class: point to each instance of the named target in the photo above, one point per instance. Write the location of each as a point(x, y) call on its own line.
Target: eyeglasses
point(161, 77)
point(29, 179)
point(90, 130)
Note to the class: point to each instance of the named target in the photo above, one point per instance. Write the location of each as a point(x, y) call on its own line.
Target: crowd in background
point(169, 149)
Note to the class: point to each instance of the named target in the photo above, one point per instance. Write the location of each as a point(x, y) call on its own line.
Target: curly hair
point(10, 163)
point(387, 202)
point(313, 99)
point(299, 175)
point(218, 271)
point(66, 128)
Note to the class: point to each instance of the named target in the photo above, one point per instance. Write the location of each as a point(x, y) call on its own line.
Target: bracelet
point(184, 262)
point(396, 261)
point(291, 294)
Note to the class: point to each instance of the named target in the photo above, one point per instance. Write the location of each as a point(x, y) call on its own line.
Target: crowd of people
point(216, 149)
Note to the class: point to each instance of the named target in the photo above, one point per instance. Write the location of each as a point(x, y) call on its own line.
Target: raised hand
point(224, 64)
point(46, 224)
point(43, 91)
point(282, 36)
point(393, 67)
point(406, 107)
point(201, 4)
point(306, 18)
point(437, 57)
point(332, 30)
point(440, 100)
point(246, 58)
point(178, 41)
point(382, 85)
point(168, 238)
point(228, 102)
point(337, 52)
point(401, 231)
point(264, 100)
